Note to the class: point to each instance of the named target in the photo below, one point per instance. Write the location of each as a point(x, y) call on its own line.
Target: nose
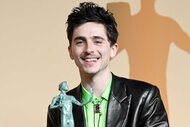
point(89, 47)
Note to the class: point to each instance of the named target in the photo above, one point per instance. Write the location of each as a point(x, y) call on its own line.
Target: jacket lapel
point(119, 104)
point(78, 113)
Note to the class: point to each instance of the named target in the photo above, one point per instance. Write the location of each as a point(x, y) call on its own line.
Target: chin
point(91, 72)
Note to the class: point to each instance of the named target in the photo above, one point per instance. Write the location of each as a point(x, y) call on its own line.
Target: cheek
point(105, 53)
point(74, 53)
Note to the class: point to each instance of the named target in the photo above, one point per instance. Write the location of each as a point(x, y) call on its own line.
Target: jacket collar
point(78, 111)
point(118, 104)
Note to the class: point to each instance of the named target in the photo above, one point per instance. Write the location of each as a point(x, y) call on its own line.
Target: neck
point(98, 82)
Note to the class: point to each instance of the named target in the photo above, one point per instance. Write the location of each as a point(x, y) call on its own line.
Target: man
point(118, 101)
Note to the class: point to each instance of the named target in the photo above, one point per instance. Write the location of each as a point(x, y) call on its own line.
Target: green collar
point(86, 94)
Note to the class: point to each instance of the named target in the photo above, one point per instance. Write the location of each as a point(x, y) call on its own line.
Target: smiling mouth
point(90, 59)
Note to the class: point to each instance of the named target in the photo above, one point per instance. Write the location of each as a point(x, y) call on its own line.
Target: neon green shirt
point(96, 119)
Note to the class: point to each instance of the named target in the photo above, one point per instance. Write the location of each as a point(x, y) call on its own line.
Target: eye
point(79, 42)
point(98, 41)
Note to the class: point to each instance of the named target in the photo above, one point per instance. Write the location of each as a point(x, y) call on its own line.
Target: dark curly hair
point(91, 12)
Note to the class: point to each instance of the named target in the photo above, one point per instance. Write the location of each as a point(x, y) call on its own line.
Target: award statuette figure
point(65, 101)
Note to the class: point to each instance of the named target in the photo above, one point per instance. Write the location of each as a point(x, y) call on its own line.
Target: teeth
point(90, 60)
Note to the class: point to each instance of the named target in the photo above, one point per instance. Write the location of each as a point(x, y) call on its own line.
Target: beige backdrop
point(34, 58)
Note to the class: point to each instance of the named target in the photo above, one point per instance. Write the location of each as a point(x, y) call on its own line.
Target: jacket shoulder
point(135, 87)
point(76, 92)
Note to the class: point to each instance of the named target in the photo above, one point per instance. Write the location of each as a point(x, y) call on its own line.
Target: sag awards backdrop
point(154, 46)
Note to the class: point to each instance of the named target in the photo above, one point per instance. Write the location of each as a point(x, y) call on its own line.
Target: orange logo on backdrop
point(146, 37)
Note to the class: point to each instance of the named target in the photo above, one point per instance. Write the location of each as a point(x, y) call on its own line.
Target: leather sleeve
point(53, 117)
point(153, 113)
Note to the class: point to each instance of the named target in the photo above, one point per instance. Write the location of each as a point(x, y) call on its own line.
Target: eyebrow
point(84, 39)
point(80, 38)
point(98, 37)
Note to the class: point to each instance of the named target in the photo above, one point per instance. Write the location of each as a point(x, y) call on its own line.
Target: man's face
point(90, 48)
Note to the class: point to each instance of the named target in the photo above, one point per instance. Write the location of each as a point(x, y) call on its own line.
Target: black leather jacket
point(132, 103)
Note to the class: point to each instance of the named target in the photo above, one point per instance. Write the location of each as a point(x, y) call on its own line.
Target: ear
point(70, 52)
point(114, 49)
